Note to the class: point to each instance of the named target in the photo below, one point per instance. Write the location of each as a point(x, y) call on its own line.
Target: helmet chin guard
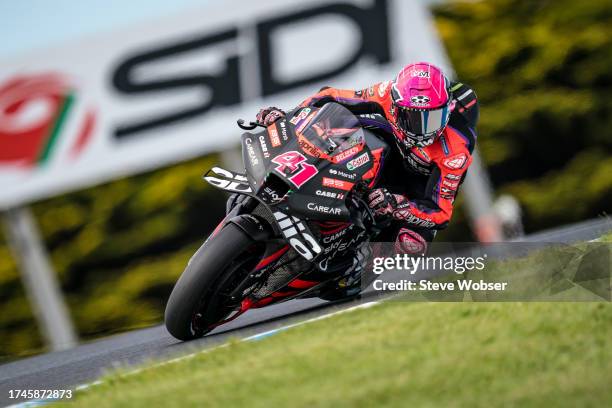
point(422, 103)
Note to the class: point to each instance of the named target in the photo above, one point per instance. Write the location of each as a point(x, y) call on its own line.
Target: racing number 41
point(292, 165)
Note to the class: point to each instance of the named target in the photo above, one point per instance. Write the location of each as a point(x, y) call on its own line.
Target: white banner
point(167, 91)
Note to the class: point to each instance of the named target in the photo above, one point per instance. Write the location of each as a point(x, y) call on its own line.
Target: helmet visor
point(422, 124)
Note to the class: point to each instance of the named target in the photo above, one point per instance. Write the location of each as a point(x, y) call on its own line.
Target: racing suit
point(423, 180)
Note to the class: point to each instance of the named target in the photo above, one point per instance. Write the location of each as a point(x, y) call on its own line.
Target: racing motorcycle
point(299, 224)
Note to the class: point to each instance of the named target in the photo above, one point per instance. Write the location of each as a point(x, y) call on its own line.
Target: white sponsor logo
point(251, 152)
point(272, 194)
point(420, 74)
point(290, 232)
point(264, 146)
point(236, 182)
point(323, 209)
point(283, 127)
point(456, 162)
point(382, 88)
point(329, 194)
point(350, 176)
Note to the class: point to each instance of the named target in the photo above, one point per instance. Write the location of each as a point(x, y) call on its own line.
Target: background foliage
point(543, 73)
point(542, 70)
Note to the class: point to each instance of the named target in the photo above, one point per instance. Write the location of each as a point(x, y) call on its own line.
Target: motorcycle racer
point(432, 122)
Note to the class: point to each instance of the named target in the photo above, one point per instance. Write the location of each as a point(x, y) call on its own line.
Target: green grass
point(395, 354)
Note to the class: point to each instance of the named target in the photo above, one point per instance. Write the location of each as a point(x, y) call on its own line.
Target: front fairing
point(307, 165)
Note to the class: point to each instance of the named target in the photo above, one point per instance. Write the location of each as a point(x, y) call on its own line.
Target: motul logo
point(456, 162)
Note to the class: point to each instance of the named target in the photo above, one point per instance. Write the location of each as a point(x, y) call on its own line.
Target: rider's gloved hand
point(382, 202)
point(234, 200)
point(268, 116)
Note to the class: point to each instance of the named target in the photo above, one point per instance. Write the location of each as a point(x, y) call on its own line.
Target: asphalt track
point(85, 363)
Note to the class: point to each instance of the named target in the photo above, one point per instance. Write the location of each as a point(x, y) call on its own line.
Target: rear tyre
point(198, 301)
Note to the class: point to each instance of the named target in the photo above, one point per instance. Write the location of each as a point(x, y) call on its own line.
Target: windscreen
point(332, 129)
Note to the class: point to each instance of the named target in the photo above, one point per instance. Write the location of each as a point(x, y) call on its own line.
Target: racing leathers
point(420, 183)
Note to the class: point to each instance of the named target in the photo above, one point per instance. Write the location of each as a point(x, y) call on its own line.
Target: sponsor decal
point(346, 154)
point(309, 149)
point(382, 88)
point(335, 183)
point(455, 162)
point(336, 236)
point(423, 154)
point(453, 177)
point(342, 245)
point(420, 100)
point(358, 161)
point(251, 152)
point(371, 91)
point(444, 145)
point(283, 127)
point(335, 172)
point(295, 232)
point(450, 184)
point(419, 160)
point(228, 181)
point(264, 146)
point(330, 194)
point(417, 167)
point(323, 209)
point(34, 113)
point(293, 166)
point(274, 139)
point(420, 74)
point(300, 116)
point(305, 122)
point(407, 216)
point(272, 195)
point(359, 93)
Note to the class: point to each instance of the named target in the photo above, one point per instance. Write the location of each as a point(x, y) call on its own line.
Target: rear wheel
point(201, 298)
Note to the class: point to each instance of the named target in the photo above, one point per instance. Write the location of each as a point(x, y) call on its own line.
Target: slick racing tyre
point(201, 298)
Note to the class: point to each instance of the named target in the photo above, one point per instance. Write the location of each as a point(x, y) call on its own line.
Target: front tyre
point(198, 299)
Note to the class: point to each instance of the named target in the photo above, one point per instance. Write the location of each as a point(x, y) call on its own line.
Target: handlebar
point(250, 126)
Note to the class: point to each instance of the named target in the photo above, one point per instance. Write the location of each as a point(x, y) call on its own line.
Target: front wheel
point(199, 298)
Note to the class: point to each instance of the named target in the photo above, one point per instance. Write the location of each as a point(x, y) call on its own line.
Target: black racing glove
point(388, 205)
point(382, 202)
point(268, 116)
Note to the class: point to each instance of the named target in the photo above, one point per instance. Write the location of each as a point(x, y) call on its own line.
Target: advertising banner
point(148, 96)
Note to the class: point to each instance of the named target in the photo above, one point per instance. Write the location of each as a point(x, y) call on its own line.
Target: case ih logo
point(34, 111)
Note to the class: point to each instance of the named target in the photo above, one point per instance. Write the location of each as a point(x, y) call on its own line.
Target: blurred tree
point(118, 249)
point(543, 72)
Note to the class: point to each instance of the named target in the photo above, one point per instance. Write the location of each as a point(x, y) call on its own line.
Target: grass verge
point(395, 354)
